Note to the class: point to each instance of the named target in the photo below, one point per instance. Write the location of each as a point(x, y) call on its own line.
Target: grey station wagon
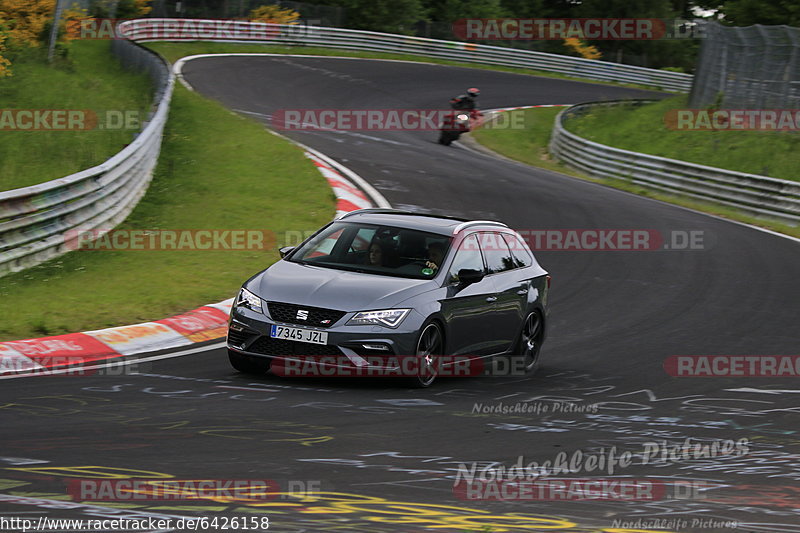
point(387, 292)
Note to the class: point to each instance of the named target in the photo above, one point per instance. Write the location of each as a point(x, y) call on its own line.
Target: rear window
point(522, 258)
point(495, 251)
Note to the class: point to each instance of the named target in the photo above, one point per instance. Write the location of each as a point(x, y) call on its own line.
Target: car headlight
point(249, 300)
point(390, 318)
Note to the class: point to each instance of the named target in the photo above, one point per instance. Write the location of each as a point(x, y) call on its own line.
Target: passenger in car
point(375, 256)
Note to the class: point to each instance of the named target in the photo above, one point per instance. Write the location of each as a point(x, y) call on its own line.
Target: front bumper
point(347, 347)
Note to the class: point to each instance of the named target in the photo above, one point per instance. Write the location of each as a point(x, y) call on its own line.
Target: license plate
point(298, 334)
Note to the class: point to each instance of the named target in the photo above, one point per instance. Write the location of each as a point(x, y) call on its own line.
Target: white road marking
point(765, 391)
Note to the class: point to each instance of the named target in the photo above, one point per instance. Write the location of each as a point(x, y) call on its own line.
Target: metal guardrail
point(36, 222)
point(761, 196)
point(156, 29)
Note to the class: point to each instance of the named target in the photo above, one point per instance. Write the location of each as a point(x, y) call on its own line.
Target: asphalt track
point(384, 456)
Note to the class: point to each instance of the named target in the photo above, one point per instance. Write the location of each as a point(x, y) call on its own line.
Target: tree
point(391, 16)
point(770, 12)
point(449, 11)
point(26, 21)
point(122, 9)
point(26, 24)
point(582, 49)
point(540, 8)
point(5, 64)
point(648, 53)
point(274, 15)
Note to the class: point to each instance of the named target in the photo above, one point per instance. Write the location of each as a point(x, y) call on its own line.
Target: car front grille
point(317, 317)
point(281, 347)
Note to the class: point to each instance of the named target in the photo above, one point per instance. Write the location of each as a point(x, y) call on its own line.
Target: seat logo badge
point(302, 314)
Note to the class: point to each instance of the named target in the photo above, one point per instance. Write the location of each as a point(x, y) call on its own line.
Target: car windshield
point(375, 249)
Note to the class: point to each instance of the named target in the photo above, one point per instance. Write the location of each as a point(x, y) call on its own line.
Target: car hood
point(334, 289)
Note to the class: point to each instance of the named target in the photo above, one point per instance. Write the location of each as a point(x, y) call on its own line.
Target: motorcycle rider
point(466, 101)
point(456, 122)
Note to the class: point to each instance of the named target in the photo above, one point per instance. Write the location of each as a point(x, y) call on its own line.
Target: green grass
point(91, 78)
point(216, 170)
point(175, 51)
point(642, 129)
point(529, 145)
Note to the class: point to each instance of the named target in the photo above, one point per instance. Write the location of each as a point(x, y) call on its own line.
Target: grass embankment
point(92, 79)
point(216, 170)
point(642, 129)
point(525, 138)
point(175, 51)
point(529, 145)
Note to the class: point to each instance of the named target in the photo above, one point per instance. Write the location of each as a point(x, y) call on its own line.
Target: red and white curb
point(76, 349)
point(205, 323)
point(348, 196)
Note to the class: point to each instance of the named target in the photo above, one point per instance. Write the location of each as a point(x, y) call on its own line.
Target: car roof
point(441, 224)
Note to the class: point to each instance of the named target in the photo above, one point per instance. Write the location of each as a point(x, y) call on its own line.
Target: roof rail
point(371, 210)
point(379, 210)
point(478, 223)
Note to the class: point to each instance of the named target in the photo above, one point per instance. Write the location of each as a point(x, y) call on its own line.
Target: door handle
point(522, 291)
point(491, 299)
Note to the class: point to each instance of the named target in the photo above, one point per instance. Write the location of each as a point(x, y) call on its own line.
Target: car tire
point(529, 344)
point(444, 138)
point(248, 365)
point(429, 345)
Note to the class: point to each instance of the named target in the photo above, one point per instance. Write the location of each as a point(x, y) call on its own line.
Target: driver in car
point(435, 255)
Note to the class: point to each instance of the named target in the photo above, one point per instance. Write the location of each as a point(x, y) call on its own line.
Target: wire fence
point(757, 67)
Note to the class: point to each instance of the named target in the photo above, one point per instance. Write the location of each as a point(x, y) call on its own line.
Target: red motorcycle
point(457, 122)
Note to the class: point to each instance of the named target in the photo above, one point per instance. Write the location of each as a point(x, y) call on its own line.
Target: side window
point(522, 258)
point(498, 256)
point(467, 256)
point(362, 239)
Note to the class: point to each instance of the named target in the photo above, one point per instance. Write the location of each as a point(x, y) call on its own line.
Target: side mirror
point(468, 276)
point(286, 250)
